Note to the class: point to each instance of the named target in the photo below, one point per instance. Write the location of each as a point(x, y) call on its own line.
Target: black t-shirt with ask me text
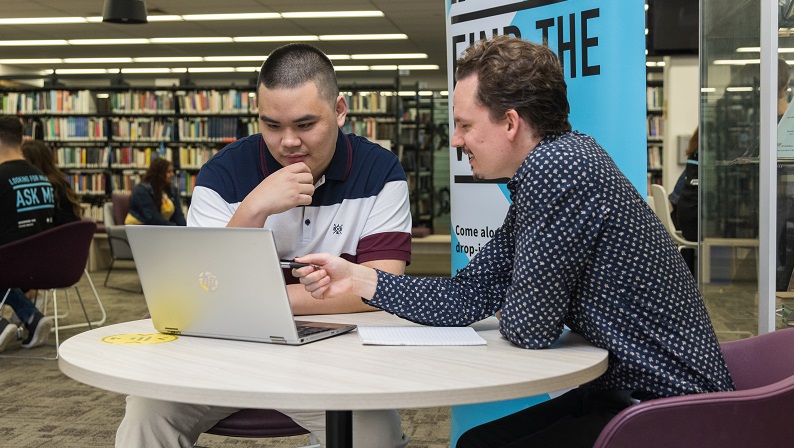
point(27, 201)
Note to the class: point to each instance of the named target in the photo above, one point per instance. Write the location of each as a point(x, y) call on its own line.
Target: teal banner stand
point(470, 415)
point(601, 45)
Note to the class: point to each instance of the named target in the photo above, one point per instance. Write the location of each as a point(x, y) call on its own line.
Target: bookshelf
point(655, 125)
point(105, 137)
point(416, 151)
point(372, 113)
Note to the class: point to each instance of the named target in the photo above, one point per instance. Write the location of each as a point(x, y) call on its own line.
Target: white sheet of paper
point(419, 336)
point(785, 134)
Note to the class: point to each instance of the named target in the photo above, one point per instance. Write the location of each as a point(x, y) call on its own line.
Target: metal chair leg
point(110, 268)
point(88, 322)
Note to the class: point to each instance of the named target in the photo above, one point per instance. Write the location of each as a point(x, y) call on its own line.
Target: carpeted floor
point(41, 407)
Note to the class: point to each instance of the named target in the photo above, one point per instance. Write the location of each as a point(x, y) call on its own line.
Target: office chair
point(114, 213)
point(757, 413)
point(257, 423)
point(53, 259)
point(661, 206)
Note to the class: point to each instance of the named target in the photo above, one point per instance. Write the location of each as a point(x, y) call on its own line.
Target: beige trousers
point(152, 423)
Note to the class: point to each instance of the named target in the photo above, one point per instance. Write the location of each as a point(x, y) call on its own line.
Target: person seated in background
point(684, 199)
point(317, 189)
point(155, 200)
point(27, 204)
point(579, 247)
point(67, 203)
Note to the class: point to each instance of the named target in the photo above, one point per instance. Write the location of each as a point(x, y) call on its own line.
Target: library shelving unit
point(105, 137)
point(417, 129)
point(655, 124)
point(372, 113)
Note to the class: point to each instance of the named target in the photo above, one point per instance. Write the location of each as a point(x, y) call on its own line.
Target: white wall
point(682, 96)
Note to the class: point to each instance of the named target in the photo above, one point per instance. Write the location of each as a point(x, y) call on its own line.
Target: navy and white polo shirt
point(359, 210)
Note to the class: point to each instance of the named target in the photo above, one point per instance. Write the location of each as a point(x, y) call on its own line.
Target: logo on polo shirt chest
point(337, 229)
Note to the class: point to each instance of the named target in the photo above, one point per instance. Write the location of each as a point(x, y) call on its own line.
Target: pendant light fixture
point(124, 11)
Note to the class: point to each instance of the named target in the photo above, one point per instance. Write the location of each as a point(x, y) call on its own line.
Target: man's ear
point(341, 110)
point(513, 123)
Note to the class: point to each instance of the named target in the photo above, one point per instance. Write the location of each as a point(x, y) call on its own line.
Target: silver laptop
point(219, 283)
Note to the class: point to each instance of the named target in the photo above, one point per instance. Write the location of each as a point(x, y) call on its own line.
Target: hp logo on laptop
point(208, 281)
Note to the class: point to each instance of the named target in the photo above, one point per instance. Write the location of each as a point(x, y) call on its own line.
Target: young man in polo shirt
point(318, 190)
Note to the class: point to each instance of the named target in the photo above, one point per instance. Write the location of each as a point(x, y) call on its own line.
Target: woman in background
point(67, 204)
point(686, 207)
point(155, 201)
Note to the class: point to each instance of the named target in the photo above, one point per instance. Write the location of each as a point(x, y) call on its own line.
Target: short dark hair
point(293, 65)
point(517, 74)
point(11, 130)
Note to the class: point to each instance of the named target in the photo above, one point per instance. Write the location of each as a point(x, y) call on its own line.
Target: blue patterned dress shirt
point(580, 247)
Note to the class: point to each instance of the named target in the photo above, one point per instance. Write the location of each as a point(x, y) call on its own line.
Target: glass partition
point(731, 168)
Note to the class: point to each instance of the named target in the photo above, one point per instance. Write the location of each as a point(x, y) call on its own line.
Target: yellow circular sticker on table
point(139, 338)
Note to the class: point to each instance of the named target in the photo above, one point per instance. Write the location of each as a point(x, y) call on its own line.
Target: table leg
point(339, 429)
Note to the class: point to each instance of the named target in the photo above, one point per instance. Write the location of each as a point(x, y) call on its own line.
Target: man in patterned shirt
point(579, 247)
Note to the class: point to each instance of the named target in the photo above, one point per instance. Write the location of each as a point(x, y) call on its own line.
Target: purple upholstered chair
point(257, 423)
point(53, 259)
point(758, 413)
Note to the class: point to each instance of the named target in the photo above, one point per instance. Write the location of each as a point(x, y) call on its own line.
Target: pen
point(296, 265)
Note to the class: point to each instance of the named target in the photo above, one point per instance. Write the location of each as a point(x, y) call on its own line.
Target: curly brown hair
point(520, 75)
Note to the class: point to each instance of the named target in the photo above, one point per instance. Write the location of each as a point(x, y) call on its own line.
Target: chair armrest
point(119, 245)
point(721, 419)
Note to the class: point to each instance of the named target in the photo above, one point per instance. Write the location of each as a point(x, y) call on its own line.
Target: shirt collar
point(339, 169)
point(523, 170)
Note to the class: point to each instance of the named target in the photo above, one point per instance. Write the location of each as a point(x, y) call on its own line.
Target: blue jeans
point(21, 305)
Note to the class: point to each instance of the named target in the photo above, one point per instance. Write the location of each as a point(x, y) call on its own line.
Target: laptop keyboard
point(305, 330)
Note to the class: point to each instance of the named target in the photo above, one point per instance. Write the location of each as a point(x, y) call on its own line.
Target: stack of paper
point(416, 335)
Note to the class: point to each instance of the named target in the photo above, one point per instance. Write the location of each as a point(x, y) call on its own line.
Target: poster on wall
point(601, 45)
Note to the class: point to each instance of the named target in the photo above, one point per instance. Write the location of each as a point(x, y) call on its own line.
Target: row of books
point(82, 157)
point(185, 182)
point(655, 157)
point(216, 102)
point(655, 126)
point(195, 157)
point(207, 101)
point(48, 102)
point(93, 211)
point(363, 126)
point(143, 129)
point(142, 102)
point(88, 183)
point(655, 98)
point(218, 129)
point(132, 157)
point(126, 181)
point(102, 157)
point(74, 128)
point(369, 102)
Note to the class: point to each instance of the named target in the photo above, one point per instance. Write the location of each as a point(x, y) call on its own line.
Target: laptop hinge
point(278, 340)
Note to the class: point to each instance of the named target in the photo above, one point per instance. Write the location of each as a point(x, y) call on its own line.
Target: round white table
point(336, 374)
